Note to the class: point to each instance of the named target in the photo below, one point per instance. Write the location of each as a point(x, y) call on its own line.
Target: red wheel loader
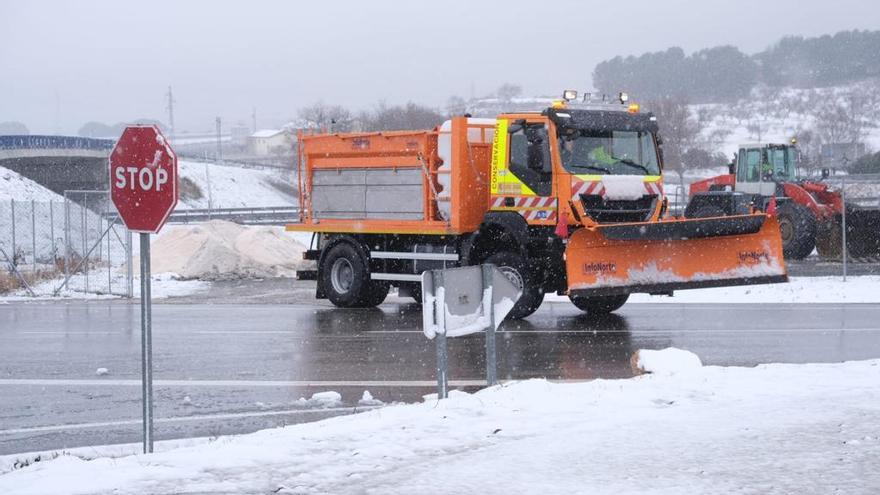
point(809, 212)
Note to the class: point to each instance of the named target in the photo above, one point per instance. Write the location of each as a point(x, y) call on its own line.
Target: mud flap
point(674, 255)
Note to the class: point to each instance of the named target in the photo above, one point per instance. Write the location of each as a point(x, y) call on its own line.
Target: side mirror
point(731, 168)
point(514, 128)
point(825, 173)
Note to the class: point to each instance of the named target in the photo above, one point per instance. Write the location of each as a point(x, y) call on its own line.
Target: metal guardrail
point(266, 215)
point(55, 142)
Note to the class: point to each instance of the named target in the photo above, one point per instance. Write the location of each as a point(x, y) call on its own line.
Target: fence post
point(85, 239)
point(34, 234)
point(843, 221)
point(12, 208)
point(66, 237)
point(52, 231)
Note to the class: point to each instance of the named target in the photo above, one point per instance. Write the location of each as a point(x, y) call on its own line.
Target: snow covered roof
point(267, 133)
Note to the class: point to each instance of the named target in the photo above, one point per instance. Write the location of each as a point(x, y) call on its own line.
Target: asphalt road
point(232, 368)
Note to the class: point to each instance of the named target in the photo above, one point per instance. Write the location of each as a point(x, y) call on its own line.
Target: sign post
point(143, 187)
point(461, 301)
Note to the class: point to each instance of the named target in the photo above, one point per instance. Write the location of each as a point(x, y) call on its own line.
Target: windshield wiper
point(593, 167)
point(627, 161)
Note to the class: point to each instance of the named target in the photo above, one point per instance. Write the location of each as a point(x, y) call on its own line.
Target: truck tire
point(599, 305)
point(797, 227)
point(515, 269)
point(346, 278)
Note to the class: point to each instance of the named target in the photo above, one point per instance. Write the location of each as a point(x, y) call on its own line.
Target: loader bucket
point(661, 257)
point(863, 232)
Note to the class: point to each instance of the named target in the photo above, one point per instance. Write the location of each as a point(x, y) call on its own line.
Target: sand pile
point(223, 250)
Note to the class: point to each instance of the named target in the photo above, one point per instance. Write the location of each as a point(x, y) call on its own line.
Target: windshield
point(608, 152)
point(782, 162)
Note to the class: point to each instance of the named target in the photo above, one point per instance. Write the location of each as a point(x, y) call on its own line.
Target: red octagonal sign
point(143, 178)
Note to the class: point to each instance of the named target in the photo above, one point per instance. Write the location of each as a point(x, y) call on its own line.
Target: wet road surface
point(233, 368)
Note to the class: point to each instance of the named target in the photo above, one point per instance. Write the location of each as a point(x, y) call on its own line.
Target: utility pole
point(253, 119)
point(170, 107)
point(219, 142)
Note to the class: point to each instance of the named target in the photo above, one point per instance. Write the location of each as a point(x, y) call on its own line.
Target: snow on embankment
point(228, 186)
point(18, 187)
point(223, 250)
point(777, 428)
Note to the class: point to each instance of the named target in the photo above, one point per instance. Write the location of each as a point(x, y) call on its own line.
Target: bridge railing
point(55, 142)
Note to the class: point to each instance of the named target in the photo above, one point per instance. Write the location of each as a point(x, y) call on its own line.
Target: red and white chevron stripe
point(579, 187)
point(525, 202)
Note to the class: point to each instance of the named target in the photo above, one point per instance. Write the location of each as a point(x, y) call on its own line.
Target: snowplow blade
point(672, 255)
point(863, 232)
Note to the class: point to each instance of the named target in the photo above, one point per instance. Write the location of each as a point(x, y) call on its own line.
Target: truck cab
point(760, 167)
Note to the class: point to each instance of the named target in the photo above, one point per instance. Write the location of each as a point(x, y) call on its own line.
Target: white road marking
point(668, 331)
point(48, 382)
point(176, 419)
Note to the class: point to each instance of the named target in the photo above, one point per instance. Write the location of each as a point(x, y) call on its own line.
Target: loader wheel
point(346, 278)
point(599, 305)
point(515, 269)
point(797, 227)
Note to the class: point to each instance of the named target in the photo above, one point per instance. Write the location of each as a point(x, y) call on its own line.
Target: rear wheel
point(599, 305)
point(346, 278)
point(829, 241)
point(797, 227)
point(515, 269)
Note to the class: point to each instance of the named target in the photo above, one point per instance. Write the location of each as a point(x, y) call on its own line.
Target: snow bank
point(223, 250)
point(799, 290)
point(232, 187)
point(667, 361)
point(18, 187)
point(769, 429)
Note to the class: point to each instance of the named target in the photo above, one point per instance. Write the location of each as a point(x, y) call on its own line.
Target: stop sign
point(143, 178)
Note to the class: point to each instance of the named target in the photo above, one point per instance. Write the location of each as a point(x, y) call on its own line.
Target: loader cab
point(760, 167)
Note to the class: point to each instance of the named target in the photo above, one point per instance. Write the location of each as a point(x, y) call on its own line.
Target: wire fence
point(49, 248)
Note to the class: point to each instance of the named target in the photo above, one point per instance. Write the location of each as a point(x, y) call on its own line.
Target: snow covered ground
point(809, 428)
point(799, 290)
point(229, 186)
point(164, 285)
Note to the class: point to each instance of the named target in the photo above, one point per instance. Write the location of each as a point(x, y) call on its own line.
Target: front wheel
point(515, 269)
point(599, 305)
point(797, 227)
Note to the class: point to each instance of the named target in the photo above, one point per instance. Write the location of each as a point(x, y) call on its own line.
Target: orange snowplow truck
point(568, 199)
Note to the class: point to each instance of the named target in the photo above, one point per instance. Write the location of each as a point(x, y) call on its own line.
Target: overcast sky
point(65, 63)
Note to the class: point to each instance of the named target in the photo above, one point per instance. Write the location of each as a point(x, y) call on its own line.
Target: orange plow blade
point(677, 254)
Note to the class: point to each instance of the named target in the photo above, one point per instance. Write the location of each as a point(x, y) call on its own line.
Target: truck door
point(523, 177)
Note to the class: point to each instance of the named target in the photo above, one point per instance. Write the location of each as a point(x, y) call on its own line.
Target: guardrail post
point(12, 209)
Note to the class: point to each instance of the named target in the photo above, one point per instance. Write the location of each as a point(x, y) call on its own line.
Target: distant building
point(239, 135)
point(271, 142)
point(841, 155)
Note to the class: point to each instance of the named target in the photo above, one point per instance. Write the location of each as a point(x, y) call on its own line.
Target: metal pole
point(442, 352)
point(34, 233)
point(129, 269)
point(843, 222)
point(109, 261)
point(491, 363)
point(146, 344)
point(442, 366)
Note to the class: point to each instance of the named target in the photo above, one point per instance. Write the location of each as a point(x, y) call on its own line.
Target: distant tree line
point(724, 73)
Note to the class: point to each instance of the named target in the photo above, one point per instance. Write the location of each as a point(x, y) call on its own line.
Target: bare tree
point(323, 116)
point(456, 105)
point(508, 91)
point(678, 129)
point(399, 117)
